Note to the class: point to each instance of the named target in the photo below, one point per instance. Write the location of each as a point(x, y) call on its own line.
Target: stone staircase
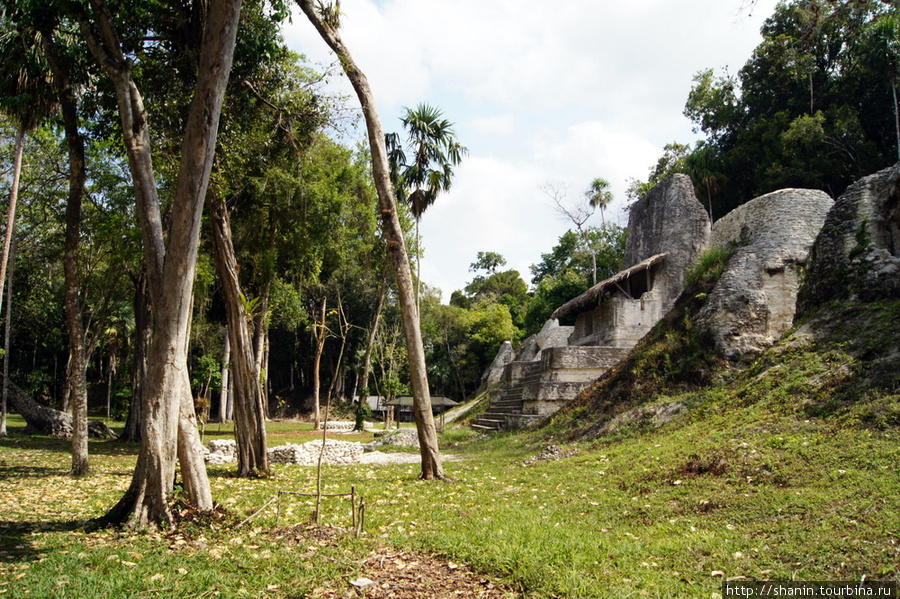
point(534, 390)
point(508, 407)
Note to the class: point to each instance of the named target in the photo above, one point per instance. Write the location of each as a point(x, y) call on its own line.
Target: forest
point(301, 214)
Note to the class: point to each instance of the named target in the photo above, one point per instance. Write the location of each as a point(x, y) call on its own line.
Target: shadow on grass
point(16, 538)
point(29, 471)
point(106, 447)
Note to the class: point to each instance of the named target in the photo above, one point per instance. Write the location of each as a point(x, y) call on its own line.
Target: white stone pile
point(221, 451)
point(404, 437)
point(307, 454)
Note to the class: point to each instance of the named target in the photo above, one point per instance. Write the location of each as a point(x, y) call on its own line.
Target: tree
point(803, 111)
point(323, 20)
point(250, 422)
point(168, 425)
point(599, 195)
point(489, 261)
point(79, 350)
point(881, 55)
point(26, 96)
point(435, 151)
point(596, 196)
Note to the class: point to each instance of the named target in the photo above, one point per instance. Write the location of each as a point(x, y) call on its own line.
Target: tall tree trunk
point(319, 334)
point(168, 405)
point(4, 391)
point(143, 339)
point(393, 233)
point(250, 421)
point(76, 379)
point(226, 370)
point(11, 211)
point(261, 343)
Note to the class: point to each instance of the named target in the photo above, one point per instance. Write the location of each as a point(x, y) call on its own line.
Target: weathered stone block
point(753, 303)
point(857, 253)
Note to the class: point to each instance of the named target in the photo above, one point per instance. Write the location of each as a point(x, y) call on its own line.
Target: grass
point(786, 499)
point(787, 470)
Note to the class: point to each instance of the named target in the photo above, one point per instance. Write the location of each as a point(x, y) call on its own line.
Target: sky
point(542, 94)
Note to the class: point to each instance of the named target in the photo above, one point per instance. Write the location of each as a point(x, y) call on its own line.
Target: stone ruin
point(668, 229)
point(755, 299)
point(306, 454)
point(340, 453)
point(857, 254)
point(749, 308)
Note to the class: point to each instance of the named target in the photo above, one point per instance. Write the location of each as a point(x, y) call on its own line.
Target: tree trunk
point(168, 405)
point(319, 333)
point(393, 233)
point(46, 420)
point(11, 211)
point(224, 415)
point(250, 421)
point(76, 379)
point(143, 338)
point(4, 392)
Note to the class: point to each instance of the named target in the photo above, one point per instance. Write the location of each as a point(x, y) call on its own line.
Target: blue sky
point(540, 92)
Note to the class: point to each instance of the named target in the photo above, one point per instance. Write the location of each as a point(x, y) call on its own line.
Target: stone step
point(485, 427)
point(506, 403)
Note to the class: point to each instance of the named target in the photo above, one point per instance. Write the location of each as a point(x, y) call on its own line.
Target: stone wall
point(307, 454)
point(753, 302)
point(857, 254)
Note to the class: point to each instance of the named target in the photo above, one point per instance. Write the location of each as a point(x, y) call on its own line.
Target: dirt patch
point(392, 574)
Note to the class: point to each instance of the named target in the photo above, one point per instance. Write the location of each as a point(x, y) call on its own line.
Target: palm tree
point(881, 55)
point(26, 96)
point(702, 166)
point(599, 195)
point(435, 151)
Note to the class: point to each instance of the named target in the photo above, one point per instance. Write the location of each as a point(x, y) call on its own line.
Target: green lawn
point(748, 494)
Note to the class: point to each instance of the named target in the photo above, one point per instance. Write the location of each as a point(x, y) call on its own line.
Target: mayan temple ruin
point(668, 230)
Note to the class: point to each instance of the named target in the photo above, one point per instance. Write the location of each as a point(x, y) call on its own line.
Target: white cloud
point(539, 91)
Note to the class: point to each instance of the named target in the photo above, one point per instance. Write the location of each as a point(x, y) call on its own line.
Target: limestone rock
point(553, 335)
point(307, 454)
point(494, 373)
point(403, 437)
point(669, 219)
point(754, 301)
point(857, 254)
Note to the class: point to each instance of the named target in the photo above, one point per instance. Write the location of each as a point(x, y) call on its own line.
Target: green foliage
point(808, 109)
point(488, 261)
point(709, 266)
point(461, 342)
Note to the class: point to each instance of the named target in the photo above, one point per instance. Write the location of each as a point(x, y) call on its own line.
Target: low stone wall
point(307, 454)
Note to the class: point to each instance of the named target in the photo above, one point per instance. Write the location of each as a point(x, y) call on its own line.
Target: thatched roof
point(406, 401)
point(588, 299)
